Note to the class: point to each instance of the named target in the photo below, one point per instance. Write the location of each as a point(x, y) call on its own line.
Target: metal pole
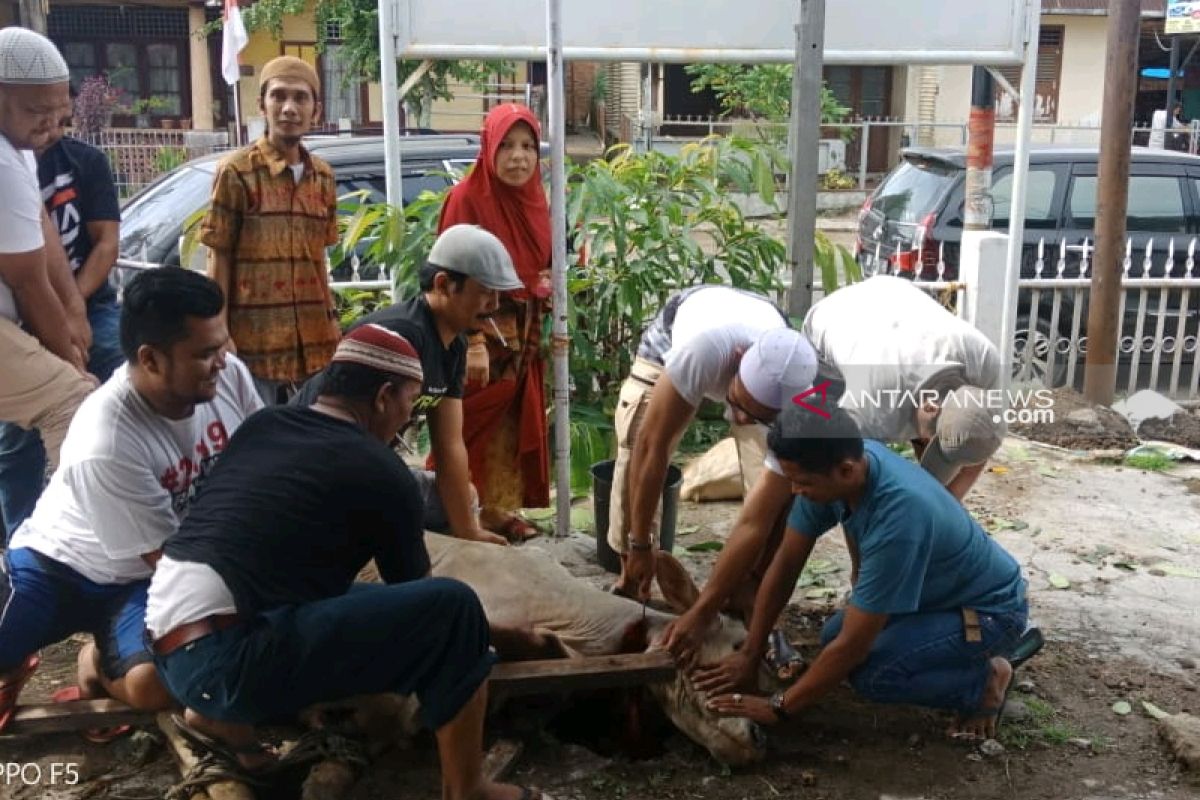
point(1170, 115)
point(804, 137)
point(1016, 224)
point(864, 147)
point(391, 103)
point(648, 106)
point(560, 340)
point(977, 211)
point(1116, 119)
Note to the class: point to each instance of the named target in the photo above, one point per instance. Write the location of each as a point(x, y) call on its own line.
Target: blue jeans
point(924, 659)
point(22, 457)
point(45, 601)
point(426, 637)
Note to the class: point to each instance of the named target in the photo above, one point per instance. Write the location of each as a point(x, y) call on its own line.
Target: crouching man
point(253, 611)
point(937, 610)
point(133, 457)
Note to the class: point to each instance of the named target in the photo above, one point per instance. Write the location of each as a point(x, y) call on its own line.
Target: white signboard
point(1183, 16)
point(987, 32)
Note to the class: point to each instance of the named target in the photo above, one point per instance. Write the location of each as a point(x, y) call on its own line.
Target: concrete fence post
point(981, 267)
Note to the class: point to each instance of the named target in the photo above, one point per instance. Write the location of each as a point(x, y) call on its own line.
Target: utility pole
point(1112, 196)
point(981, 134)
point(804, 141)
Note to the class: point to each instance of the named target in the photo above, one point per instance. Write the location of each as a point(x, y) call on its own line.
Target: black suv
point(152, 220)
point(914, 219)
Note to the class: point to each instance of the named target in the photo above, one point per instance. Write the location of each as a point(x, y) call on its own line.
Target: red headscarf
point(518, 216)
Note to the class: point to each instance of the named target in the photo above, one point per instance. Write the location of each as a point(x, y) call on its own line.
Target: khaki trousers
point(631, 410)
point(37, 388)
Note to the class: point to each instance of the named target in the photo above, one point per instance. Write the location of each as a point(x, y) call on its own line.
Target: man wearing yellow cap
point(273, 213)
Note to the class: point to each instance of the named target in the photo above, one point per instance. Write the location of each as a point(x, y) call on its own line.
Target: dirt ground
point(1113, 560)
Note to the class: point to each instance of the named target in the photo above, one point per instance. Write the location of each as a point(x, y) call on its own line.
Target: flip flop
point(202, 743)
point(782, 659)
point(69, 694)
point(12, 689)
point(1028, 646)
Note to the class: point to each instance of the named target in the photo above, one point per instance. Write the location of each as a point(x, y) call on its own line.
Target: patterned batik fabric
point(276, 228)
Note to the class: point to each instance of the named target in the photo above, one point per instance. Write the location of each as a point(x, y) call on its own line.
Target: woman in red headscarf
point(504, 404)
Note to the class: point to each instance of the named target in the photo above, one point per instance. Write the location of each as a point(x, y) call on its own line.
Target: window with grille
point(140, 49)
point(1046, 80)
point(343, 95)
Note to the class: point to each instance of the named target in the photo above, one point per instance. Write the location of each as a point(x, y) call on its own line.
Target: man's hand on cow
point(639, 572)
point(732, 673)
point(684, 636)
point(750, 706)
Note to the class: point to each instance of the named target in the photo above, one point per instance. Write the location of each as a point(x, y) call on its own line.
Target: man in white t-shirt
point(42, 373)
point(711, 342)
point(913, 371)
point(135, 455)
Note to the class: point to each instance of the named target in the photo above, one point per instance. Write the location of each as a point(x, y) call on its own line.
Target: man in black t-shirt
point(81, 200)
point(460, 284)
point(253, 612)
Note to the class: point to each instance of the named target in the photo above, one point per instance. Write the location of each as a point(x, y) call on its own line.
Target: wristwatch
point(778, 708)
point(641, 546)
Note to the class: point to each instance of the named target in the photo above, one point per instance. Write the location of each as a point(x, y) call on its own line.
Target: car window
point(155, 217)
point(1039, 199)
point(912, 190)
point(1155, 204)
point(376, 185)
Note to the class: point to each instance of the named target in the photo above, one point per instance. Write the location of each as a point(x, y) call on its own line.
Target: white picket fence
point(1159, 308)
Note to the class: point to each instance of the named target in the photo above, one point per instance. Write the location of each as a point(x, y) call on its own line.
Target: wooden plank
point(77, 715)
point(593, 672)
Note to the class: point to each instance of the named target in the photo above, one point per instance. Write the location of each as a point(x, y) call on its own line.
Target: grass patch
point(1150, 461)
point(1043, 727)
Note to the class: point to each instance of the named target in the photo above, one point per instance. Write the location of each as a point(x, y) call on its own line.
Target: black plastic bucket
point(602, 475)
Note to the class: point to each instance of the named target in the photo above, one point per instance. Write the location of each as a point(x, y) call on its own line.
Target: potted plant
point(143, 106)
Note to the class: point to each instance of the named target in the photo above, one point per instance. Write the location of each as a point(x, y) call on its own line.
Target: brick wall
point(581, 78)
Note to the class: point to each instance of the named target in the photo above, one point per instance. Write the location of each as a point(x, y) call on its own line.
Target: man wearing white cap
point(42, 372)
point(709, 342)
point(913, 371)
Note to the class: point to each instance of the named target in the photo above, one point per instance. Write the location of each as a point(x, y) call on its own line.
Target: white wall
point(1080, 92)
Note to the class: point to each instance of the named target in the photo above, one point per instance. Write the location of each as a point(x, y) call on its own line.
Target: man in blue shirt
point(937, 606)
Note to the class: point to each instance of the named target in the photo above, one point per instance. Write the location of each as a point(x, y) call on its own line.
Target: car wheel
point(1031, 354)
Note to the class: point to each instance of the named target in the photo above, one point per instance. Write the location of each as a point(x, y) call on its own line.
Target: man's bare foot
point(87, 670)
point(981, 724)
point(240, 740)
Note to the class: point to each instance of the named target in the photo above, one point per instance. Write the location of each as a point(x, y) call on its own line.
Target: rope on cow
point(326, 744)
point(211, 768)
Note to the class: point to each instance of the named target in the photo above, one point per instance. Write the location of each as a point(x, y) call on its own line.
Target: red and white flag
point(233, 40)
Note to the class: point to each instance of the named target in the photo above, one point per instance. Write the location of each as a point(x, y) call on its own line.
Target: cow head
point(730, 740)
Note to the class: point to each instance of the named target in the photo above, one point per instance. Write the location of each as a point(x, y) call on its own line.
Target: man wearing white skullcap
point(707, 342)
point(44, 334)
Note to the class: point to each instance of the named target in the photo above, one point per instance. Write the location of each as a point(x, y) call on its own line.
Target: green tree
point(358, 24)
point(758, 91)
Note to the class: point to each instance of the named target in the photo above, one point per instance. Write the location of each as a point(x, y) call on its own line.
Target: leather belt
point(189, 632)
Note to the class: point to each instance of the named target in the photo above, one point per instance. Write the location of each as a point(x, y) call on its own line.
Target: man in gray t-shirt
point(913, 371)
point(711, 342)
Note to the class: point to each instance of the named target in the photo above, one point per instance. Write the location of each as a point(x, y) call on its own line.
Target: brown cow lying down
point(525, 587)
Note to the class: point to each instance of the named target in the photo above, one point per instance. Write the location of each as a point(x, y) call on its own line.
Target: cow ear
point(676, 585)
